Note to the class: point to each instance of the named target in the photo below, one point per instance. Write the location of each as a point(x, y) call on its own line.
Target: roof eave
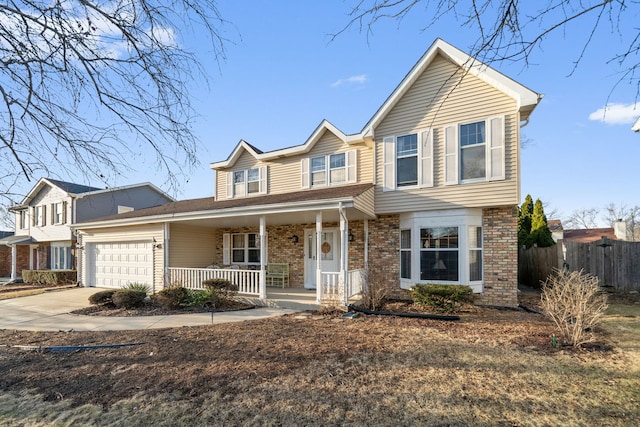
point(251, 210)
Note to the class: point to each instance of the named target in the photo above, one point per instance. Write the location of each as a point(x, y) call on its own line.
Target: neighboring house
point(43, 238)
point(555, 226)
point(427, 192)
point(5, 255)
point(588, 235)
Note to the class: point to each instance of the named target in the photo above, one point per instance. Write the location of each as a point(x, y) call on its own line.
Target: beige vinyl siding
point(284, 174)
point(134, 233)
point(443, 96)
point(191, 246)
point(49, 232)
point(365, 202)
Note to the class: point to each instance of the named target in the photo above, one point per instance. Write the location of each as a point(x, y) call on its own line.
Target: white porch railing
point(330, 285)
point(248, 281)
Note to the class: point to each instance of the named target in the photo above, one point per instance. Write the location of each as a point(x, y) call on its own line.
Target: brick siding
point(500, 257)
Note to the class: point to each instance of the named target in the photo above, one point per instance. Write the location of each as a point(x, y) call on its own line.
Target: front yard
point(492, 367)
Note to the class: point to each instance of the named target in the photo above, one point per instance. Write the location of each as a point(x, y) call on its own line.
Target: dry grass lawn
point(491, 368)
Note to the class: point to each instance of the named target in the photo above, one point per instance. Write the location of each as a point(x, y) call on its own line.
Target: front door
point(329, 254)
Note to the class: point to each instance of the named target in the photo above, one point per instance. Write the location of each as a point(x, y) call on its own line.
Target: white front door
point(329, 254)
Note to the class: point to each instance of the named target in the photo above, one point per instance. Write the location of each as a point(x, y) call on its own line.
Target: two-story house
point(427, 192)
point(43, 238)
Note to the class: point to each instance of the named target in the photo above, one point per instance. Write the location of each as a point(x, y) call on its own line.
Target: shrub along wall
point(49, 277)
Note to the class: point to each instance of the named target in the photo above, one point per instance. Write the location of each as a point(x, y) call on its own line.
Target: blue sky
point(283, 75)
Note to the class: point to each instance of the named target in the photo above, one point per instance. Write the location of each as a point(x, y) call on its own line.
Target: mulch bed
point(152, 308)
point(16, 287)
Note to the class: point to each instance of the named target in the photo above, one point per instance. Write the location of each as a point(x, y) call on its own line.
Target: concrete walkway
point(50, 311)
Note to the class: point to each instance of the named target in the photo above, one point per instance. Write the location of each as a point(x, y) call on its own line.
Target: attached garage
point(115, 256)
point(115, 264)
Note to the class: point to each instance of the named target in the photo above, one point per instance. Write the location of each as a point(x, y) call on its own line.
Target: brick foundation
point(500, 257)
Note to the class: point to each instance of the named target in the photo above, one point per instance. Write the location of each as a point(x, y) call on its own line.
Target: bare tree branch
point(511, 30)
point(86, 86)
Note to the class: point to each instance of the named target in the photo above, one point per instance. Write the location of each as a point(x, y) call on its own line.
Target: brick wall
point(384, 258)
point(500, 257)
point(5, 261)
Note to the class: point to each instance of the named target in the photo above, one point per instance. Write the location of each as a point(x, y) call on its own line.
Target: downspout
point(165, 260)
point(342, 282)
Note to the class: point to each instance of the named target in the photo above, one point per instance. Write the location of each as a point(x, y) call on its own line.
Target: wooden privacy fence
point(616, 263)
point(535, 264)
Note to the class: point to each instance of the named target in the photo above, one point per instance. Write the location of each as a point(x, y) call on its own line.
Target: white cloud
point(359, 79)
point(617, 114)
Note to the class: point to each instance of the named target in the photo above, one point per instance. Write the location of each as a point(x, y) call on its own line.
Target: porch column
point(342, 280)
point(263, 257)
point(14, 262)
point(318, 252)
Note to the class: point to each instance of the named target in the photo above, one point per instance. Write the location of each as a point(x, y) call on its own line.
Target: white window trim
point(350, 169)
point(463, 219)
point(262, 179)
point(424, 155)
point(495, 149)
point(227, 248)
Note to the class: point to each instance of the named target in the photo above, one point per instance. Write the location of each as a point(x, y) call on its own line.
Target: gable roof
point(80, 190)
point(525, 98)
point(244, 146)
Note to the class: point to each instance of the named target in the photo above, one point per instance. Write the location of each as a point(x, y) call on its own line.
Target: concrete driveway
point(50, 311)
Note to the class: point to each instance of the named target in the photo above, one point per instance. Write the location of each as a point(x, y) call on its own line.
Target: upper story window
point(318, 171)
point(58, 213)
point(472, 151)
point(475, 151)
point(39, 216)
point(408, 160)
point(24, 219)
point(331, 169)
point(248, 181)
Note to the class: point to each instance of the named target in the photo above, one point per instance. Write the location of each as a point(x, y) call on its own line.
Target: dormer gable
point(297, 150)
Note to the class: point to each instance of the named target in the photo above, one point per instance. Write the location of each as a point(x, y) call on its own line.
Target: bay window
point(439, 254)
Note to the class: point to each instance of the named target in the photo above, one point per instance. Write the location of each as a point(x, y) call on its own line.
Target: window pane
point(472, 162)
point(253, 187)
point(254, 255)
point(475, 237)
point(254, 240)
point(405, 239)
point(407, 171)
point(405, 264)
point(238, 241)
point(238, 177)
point(336, 161)
point(439, 265)
point(475, 265)
point(317, 164)
point(472, 134)
point(318, 178)
point(439, 237)
point(253, 175)
point(407, 145)
point(337, 175)
point(238, 255)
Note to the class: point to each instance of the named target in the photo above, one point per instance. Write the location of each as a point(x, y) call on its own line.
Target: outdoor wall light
point(351, 237)
point(156, 245)
point(294, 238)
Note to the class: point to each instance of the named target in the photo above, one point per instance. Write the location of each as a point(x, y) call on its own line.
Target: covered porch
point(321, 236)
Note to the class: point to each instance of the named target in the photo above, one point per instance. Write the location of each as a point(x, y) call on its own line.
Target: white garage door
point(116, 264)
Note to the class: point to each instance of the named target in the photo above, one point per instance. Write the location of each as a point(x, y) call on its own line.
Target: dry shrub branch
point(574, 302)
